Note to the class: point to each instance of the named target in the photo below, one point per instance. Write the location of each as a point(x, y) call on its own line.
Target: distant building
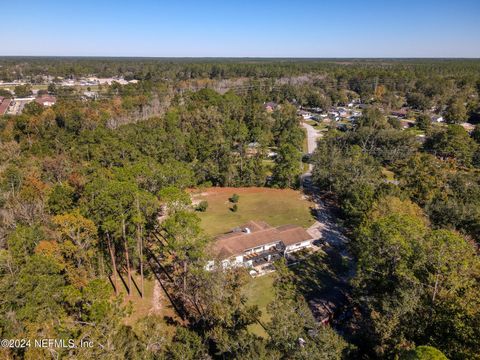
point(90, 94)
point(402, 113)
point(68, 82)
point(108, 81)
point(438, 119)
point(304, 114)
point(46, 100)
point(4, 104)
point(405, 124)
point(253, 148)
point(468, 127)
point(270, 106)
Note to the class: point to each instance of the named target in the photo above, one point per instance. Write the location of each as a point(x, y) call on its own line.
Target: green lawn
point(416, 131)
point(305, 142)
point(260, 292)
point(274, 206)
point(316, 125)
point(269, 164)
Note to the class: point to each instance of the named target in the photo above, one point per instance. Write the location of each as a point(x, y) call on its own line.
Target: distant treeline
point(12, 68)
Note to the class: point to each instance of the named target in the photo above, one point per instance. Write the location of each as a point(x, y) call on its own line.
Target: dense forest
point(94, 191)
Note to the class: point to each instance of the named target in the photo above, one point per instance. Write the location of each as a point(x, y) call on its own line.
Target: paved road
point(331, 301)
point(312, 136)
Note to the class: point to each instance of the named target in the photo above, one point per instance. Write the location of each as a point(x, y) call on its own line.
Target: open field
point(275, 206)
point(45, 87)
point(34, 87)
point(142, 307)
point(260, 292)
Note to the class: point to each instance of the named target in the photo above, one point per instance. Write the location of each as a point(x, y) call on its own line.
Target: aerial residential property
point(4, 104)
point(270, 106)
point(258, 245)
point(46, 100)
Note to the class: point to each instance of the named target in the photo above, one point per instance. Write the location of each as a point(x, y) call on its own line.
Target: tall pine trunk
point(111, 250)
point(140, 248)
point(127, 257)
point(140, 256)
point(141, 261)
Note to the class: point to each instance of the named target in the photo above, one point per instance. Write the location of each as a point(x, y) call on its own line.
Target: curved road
point(334, 299)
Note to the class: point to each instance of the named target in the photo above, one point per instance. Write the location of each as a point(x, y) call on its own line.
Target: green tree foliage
point(287, 167)
point(78, 238)
point(52, 88)
point(5, 93)
point(423, 122)
point(476, 134)
point(456, 111)
point(379, 138)
point(423, 353)
point(202, 206)
point(422, 176)
point(288, 139)
point(234, 198)
point(33, 108)
point(348, 172)
point(22, 242)
point(454, 142)
point(292, 331)
point(23, 91)
point(418, 101)
point(186, 345)
point(61, 199)
point(407, 276)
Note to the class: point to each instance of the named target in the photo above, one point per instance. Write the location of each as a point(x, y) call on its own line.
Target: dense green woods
point(415, 238)
point(93, 203)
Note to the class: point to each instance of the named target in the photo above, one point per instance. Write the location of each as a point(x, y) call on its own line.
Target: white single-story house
point(304, 114)
point(46, 100)
point(437, 119)
point(256, 244)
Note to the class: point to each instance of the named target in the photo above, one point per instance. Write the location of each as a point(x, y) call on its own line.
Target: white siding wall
point(269, 246)
point(298, 246)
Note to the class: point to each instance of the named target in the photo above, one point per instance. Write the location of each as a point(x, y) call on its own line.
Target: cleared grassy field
point(144, 307)
point(140, 306)
point(260, 292)
point(274, 206)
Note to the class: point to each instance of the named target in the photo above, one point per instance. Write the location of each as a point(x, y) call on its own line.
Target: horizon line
point(249, 57)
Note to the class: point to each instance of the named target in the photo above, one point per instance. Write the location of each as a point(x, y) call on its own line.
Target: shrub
point(234, 198)
point(202, 206)
point(235, 208)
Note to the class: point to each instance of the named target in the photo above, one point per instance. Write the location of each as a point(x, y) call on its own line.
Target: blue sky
point(269, 28)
